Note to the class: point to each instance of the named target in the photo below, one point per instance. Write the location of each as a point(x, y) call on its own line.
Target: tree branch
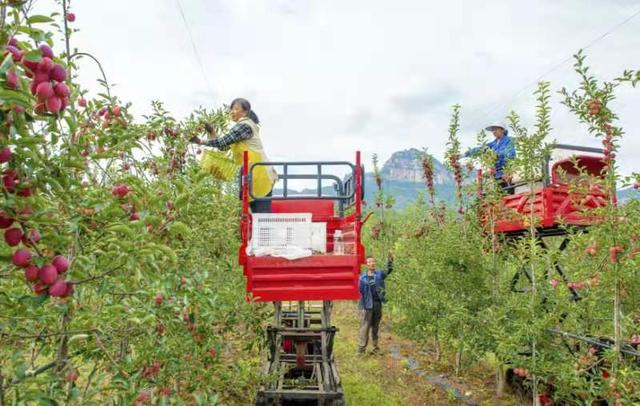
point(103, 275)
point(44, 368)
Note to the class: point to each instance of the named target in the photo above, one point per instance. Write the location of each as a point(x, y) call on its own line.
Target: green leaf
point(27, 141)
point(168, 252)
point(120, 228)
point(75, 392)
point(13, 97)
point(178, 228)
point(78, 337)
point(21, 370)
point(149, 319)
point(36, 34)
point(6, 64)
point(78, 164)
point(45, 400)
point(33, 56)
point(153, 220)
point(181, 200)
point(37, 19)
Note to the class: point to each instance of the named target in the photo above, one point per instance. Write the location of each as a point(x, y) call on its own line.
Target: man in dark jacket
point(372, 296)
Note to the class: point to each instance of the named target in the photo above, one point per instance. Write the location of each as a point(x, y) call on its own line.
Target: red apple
point(58, 289)
point(48, 274)
point(21, 258)
point(5, 220)
point(13, 236)
point(12, 80)
point(58, 73)
point(46, 51)
point(31, 273)
point(44, 91)
point(45, 65)
point(60, 263)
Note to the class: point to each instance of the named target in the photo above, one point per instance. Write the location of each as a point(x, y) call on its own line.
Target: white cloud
point(328, 77)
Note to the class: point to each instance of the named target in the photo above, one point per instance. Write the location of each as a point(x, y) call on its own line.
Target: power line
point(195, 48)
point(560, 64)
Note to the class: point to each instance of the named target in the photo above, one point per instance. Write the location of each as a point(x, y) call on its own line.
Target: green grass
point(361, 375)
point(359, 390)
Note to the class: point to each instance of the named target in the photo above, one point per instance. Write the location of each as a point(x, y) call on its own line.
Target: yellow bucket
point(219, 164)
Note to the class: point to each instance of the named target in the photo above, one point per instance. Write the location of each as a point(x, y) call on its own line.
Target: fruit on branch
point(120, 190)
point(21, 258)
point(13, 236)
point(48, 274)
point(31, 273)
point(60, 263)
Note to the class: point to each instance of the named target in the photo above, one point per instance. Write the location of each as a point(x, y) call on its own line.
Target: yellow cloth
point(262, 180)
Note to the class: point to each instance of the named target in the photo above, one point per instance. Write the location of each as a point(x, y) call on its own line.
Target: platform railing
point(546, 165)
point(344, 187)
point(349, 189)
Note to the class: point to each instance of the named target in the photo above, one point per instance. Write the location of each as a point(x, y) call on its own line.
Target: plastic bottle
point(338, 245)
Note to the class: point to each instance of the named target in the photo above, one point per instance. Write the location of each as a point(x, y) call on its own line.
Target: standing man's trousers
point(370, 321)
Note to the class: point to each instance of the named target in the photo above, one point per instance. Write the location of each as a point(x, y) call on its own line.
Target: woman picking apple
point(245, 136)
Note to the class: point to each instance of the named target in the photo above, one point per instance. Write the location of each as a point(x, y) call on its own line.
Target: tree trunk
point(1, 389)
point(458, 361)
point(63, 350)
point(501, 380)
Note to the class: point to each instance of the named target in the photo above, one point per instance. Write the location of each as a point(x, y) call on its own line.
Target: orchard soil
point(386, 379)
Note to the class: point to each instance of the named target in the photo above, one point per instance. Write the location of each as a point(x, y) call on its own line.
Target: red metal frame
point(556, 204)
point(319, 277)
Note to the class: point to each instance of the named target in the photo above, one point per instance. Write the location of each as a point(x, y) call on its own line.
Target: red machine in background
point(562, 197)
point(300, 341)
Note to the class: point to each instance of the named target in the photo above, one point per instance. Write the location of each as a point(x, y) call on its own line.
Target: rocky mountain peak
point(406, 166)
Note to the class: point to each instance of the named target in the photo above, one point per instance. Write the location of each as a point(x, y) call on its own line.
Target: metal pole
point(300, 314)
point(326, 313)
point(319, 180)
point(277, 314)
point(285, 179)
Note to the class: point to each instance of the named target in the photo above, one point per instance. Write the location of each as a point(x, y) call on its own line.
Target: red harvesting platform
point(327, 276)
point(568, 199)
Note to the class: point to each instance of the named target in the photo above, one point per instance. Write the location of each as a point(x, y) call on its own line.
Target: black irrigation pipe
point(592, 342)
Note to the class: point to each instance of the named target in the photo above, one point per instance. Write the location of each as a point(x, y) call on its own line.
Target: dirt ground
point(405, 373)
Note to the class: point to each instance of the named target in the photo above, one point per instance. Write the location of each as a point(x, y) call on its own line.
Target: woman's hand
point(211, 130)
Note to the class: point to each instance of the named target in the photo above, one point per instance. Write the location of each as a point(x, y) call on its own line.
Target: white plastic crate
point(281, 230)
point(319, 237)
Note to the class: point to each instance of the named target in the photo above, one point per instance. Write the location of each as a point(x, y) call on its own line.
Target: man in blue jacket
point(504, 149)
point(372, 296)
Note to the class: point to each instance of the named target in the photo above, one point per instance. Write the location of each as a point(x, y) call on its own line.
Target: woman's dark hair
point(246, 106)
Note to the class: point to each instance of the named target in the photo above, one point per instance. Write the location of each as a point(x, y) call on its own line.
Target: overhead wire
point(557, 66)
point(194, 47)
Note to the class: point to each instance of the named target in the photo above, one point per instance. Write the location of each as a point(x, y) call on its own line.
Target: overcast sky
point(328, 77)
